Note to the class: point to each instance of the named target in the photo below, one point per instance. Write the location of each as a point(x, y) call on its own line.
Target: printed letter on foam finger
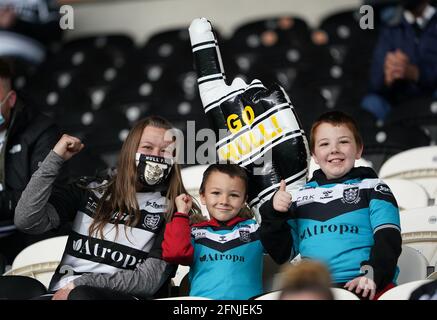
point(262, 131)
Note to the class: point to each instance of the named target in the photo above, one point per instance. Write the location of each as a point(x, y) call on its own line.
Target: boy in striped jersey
point(344, 216)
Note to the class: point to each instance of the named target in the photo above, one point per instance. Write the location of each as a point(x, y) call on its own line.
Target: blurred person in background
point(405, 58)
point(37, 19)
point(26, 137)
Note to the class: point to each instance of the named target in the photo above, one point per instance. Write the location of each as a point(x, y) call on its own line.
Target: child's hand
point(282, 199)
point(364, 284)
point(183, 203)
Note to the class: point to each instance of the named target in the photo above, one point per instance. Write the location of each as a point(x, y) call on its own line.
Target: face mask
point(2, 119)
point(152, 170)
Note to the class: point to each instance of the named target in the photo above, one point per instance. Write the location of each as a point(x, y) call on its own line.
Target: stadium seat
point(339, 294)
point(21, 46)
point(343, 294)
point(184, 298)
point(39, 260)
point(192, 178)
point(402, 292)
point(408, 194)
point(274, 295)
point(180, 274)
point(418, 164)
point(412, 265)
point(20, 288)
point(419, 231)
point(432, 276)
point(275, 32)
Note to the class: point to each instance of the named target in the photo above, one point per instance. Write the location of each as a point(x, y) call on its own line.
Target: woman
point(114, 249)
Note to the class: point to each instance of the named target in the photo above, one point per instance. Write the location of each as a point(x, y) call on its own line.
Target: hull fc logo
point(351, 195)
point(151, 221)
point(244, 235)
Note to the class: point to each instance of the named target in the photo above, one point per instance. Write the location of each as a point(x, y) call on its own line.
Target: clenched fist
point(68, 146)
point(183, 203)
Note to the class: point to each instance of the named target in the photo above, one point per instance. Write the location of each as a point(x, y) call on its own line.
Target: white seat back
point(192, 178)
point(184, 298)
point(403, 291)
point(412, 265)
point(408, 194)
point(180, 274)
point(419, 231)
point(343, 294)
point(40, 259)
point(418, 164)
point(42, 251)
point(339, 294)
point(274, 295)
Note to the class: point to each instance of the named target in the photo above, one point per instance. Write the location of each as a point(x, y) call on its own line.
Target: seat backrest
point(20, 288)
point(419, 230)
point(408, 194)
point(184, 298)
point(419, 220)
point(403, 291)
point(343, 294)
point(181, 272)
point(412, 265)
point(47, 250)
point(274, 295)
point(416, 162)
point(339, 294)
point(192, 178)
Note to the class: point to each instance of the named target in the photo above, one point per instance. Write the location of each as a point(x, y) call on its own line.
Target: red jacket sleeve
point(177, 247)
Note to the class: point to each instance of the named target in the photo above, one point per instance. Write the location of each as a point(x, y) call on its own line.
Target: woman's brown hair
point(119, 197)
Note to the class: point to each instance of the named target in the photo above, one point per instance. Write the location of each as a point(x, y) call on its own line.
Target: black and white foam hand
point(257, 126)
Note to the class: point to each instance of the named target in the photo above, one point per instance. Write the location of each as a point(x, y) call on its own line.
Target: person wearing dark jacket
point(405, 59)
point(26, 137)
point(37, 19)
point(345, 217)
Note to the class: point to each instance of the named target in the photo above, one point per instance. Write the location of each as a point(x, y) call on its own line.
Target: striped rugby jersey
point(118, 251)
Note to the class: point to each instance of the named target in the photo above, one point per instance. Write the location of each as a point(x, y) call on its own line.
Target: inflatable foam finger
point(256, 127)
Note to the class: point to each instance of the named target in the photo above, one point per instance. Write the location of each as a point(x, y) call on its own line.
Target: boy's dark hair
point(232, 170)
point(336, 118)
point(5, 73)
point(5, 69)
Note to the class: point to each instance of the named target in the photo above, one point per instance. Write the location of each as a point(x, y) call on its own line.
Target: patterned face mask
point(152, 170)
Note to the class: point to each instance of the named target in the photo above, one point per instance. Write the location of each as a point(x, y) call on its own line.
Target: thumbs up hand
point(282, 199)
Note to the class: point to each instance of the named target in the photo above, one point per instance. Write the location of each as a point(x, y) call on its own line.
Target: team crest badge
point(244, 235)
point(151, 221)
point(351, 195)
